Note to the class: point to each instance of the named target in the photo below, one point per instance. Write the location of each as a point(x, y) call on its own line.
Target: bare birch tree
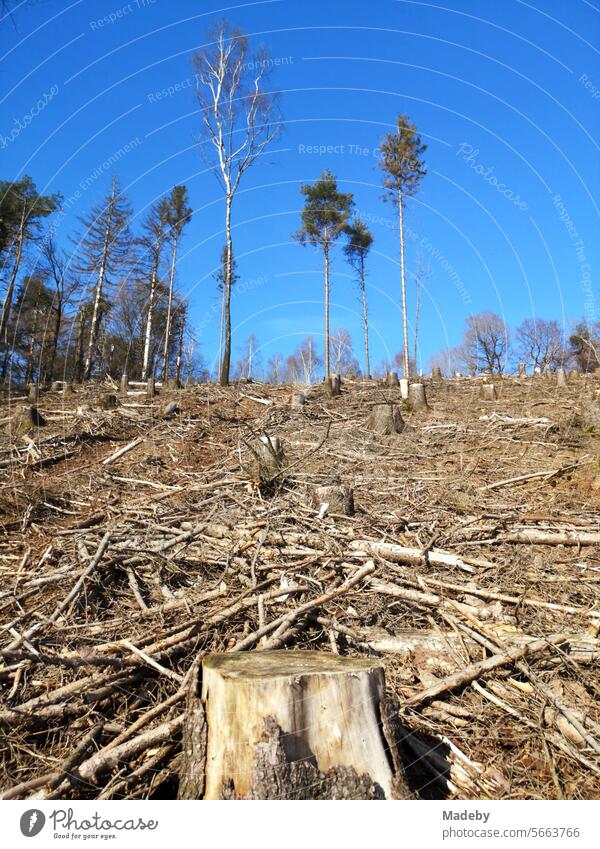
point(240, 119)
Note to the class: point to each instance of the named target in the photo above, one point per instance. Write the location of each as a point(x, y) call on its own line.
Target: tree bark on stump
point(291, 725)
point(417, 396)
point(270, 457)
point(338, 497)
point(385, 419)
point(392, 379)
point(333, 385)
point(298, 400)
point(109, 402)
point(488, 392)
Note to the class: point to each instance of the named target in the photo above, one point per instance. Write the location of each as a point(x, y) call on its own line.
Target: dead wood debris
point(134, 541)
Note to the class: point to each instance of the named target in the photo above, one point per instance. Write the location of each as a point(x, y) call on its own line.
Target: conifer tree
point(401, 160)
point(359, 244)
point(325, 218)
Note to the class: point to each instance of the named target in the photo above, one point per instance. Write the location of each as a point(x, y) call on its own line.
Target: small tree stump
point(417, 397)
point(547, 372)
point(33, 392)
point(392, 379)
point(522, 370)
point(67, 389)
point(171, 409)
point(404, 388)
point(270, 457)
point(293, 725)
point(298, 400)
point(172, 384)
point(574, 374)
point(25, 420)
point(561, 378)
point(124, 383)
point(108, 402)
point(488, 392)
point(385, 419)
point(333, 385)
point(56, 386)
point(537, 372)
point(338, 497)
point(150, 388)
point(436, 373)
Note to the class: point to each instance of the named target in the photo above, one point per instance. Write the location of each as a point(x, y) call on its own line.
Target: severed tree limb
point(474, 670)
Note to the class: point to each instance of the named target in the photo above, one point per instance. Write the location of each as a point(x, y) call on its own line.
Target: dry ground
point(115, 576)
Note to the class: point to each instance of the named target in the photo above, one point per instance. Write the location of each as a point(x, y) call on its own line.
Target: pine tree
point(178, 215)
point(21, 211)
point(325, 218)
point(403, 167)
point(106, 251)
point(359, 244)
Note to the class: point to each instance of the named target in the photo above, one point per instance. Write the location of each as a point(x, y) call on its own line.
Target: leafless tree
point(342, 352)
point(486, 343)
point(240, 119)
point(541, 343)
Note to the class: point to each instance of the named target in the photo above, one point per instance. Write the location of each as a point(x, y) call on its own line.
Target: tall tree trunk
point(221, 332)
point(95, 325)
point(363, 293)
point(31, 353)
point(179, 352)
point(326, 252)
point(49, 371)
point(224, 377)
point(165, 373)
point(403, 283)
point(78, 364)
point(7, 303)
point(149, 318)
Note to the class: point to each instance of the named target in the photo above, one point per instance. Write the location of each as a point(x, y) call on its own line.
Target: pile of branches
point(462, 550)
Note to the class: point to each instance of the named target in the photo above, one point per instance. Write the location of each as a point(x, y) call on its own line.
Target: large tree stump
point(26, 419)
point(386, 419)
point(417, 396)
point(270, 457)
point(333, 385)
point(108, 402)
point(488, 392)
point(392, 379)
point(292, 725)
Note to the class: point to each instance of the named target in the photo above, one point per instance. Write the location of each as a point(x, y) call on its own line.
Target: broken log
point(297, 725)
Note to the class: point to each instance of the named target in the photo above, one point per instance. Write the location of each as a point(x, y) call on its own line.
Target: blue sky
point(506, 96)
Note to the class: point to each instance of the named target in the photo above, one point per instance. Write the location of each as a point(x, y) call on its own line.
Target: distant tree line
point(489, 346)
point(108, 305)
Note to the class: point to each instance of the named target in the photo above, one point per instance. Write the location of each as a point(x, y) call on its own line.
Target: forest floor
point(117, 573)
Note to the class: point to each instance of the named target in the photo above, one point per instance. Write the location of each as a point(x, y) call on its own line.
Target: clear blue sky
point(509, 86)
